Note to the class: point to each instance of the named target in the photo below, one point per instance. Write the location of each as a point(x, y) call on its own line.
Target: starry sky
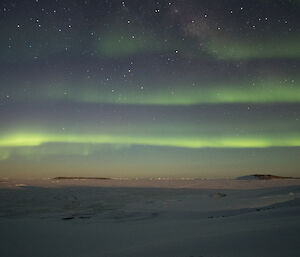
point(185, 88)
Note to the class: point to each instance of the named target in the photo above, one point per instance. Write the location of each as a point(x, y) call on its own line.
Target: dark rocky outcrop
point(263, 177)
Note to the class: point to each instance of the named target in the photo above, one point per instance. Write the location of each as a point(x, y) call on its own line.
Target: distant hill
point(63, 178)
point(263, 177)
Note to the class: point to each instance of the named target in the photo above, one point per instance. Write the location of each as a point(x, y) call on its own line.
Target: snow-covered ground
point(167, 218)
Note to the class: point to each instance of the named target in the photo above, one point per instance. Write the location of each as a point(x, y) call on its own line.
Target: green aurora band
point(124, 41)
point(232, 48)
point(22, 140)
point(272, 91)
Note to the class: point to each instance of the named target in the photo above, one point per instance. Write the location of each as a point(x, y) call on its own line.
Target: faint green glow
point(4, 154)
point(237, 48)
point(268, 91)
point(123, 41)
point(21, 140)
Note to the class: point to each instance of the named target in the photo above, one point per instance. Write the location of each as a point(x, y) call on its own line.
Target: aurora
point(134, 88)
point(275, 90)
point(228, 48)
point(227, 142)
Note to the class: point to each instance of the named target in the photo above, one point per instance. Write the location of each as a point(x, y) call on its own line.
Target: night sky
point(149, 88)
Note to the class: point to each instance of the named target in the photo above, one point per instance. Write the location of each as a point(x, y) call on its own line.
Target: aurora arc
point(21, 140)
point(105, 88)
point(268, 91)
point(245, 49)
